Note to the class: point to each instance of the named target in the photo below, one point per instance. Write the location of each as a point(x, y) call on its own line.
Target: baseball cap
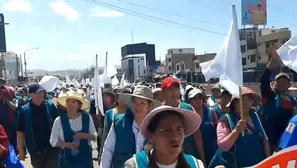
point(35, 88)
point(167, 82)
point(282, 75)
point(194, 92)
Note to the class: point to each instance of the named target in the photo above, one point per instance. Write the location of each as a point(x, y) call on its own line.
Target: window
point(267, 44)
point(243, 61)
point(180, 50)
point(274, 41)
point(243, 48)
point(259, 57)
point(144, 72)
point(169, 68)
point(177, 67)
point(169, 59)
point(138, 60)
point(253, 58)
point(182, 66)
point(197, 65)
point(138, 67)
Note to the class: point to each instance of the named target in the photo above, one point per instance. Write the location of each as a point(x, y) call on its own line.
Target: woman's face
point(121, 101)
point(247, 103)
point(72, 104)
point(140, 107)
point(169, 136)
point(197, 101)
point(225, 99)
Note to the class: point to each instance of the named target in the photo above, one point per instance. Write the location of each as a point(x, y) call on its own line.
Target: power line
point(201, 4)
point(169, 13)
point(149, 16)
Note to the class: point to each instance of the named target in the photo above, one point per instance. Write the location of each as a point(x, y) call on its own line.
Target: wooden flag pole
point(241, 107)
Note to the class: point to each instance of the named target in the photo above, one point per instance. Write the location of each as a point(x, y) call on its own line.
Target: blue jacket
point(29, 135)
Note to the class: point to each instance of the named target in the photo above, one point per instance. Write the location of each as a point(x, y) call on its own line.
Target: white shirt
point(109, 145)
point(167, 166)
point(75, 124)
point(211, 103)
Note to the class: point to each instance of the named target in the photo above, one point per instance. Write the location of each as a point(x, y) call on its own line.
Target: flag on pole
point(123, 82)
point(288, 53)
point(227, 64)
point(97, 89)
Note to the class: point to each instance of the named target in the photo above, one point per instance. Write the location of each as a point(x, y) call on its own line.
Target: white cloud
point(18, 5)
point(61, 8)
point(95, 12)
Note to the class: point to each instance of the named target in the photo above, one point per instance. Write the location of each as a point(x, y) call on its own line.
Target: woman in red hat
point(241, 138)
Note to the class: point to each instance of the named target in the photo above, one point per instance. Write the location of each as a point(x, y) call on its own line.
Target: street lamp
point(25, 61)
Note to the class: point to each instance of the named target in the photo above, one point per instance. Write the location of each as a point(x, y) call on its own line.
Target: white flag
point(288, 53)
point(227, 64)
point(115, 81)
point(123, 82)
point(97, 89)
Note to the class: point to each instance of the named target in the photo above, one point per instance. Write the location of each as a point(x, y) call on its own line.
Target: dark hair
point(155, 121)
point(186, 96)
point(259, 5)
point(232, 105)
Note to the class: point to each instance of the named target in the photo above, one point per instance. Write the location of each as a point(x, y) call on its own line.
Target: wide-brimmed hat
point(72, 95)
point(191, 119)
point(247, 91)
point(141, 92)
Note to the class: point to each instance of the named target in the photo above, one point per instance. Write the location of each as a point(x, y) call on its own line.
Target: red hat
point(167, 82)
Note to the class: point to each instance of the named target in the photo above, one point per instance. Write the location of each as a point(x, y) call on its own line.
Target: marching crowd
point(147, 125)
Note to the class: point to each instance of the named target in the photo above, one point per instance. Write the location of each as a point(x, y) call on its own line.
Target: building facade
point(2, 34)
point(141, 48)
point(256, 47)
point(134, 67)
point(10, 66)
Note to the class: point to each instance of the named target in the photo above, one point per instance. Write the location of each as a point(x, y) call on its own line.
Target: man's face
point(172, 93)
point(106, 99)
point(38, 97)
point(259, 7)
point(282, 84)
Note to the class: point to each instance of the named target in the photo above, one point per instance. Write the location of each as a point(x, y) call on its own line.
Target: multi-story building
point(185, 64)
point(135, 67)
point(140, 48)
point(179, 60)
point(10, 66)
point(2, 34)
point(256, 47)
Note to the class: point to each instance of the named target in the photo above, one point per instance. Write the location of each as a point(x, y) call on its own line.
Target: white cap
point(188, 87)
point(194, 92)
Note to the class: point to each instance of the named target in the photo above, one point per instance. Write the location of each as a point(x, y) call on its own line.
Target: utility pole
point(25, 62)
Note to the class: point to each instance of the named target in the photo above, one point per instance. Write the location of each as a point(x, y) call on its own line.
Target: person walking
point(72, 132)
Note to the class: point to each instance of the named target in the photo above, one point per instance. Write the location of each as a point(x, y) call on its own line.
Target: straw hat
point(192, 119)
point(72, 95)
point(247, 91)
point(141, 92)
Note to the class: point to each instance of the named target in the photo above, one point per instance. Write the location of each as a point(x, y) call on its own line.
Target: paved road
point(95, 163)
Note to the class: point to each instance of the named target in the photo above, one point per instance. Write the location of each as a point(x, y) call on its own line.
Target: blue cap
point(35, 88)
point(289, 137)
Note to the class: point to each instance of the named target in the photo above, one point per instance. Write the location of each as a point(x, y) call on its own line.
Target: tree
point(39, 77)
